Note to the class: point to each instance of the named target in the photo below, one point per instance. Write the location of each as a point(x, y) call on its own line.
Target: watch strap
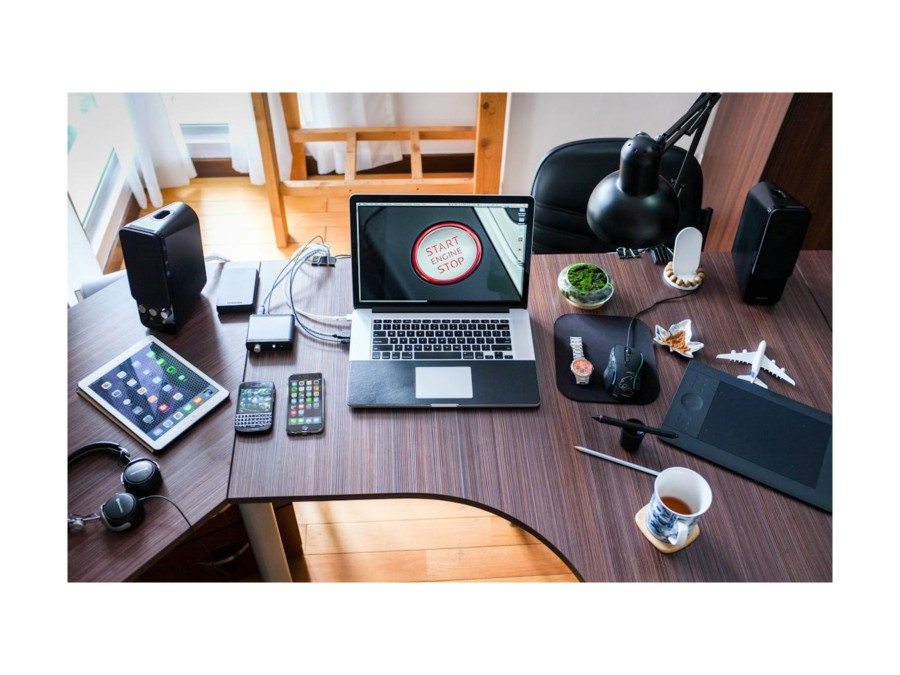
point(577, 348)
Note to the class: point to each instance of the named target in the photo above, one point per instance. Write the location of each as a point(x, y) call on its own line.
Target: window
point(204, 121)
point(90, 153)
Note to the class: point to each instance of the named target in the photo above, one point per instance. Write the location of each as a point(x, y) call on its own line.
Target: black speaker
point(768, 240)
point(163, 256)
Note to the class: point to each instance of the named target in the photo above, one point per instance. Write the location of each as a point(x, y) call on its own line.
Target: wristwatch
point(580, 365)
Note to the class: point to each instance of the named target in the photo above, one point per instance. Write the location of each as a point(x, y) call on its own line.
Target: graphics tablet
point(754, 432)
point(154, 393)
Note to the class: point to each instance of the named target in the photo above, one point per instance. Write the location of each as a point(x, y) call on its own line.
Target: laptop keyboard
point(441, 339)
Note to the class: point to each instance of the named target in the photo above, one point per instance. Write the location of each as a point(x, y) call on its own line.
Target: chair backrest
point(567, 175)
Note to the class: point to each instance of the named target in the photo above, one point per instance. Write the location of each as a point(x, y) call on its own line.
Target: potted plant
point(585, 285)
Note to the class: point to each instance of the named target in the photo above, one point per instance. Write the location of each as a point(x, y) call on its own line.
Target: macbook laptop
point(440, 295)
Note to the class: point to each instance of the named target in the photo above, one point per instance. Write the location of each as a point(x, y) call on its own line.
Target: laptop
point(440, 296)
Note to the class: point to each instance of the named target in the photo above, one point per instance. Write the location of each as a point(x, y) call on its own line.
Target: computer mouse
point(622, 375)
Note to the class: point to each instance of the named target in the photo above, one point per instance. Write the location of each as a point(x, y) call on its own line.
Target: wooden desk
point(520, 463)
point(195, 468)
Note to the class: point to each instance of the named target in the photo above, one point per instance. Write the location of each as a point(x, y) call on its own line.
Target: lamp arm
point(694, 119)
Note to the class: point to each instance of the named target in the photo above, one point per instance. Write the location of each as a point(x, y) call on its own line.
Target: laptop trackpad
point(450, 382)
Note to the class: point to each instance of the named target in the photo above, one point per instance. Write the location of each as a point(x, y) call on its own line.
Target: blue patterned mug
point(680, 497)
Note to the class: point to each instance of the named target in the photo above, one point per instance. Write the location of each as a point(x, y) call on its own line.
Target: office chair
point(567, 175)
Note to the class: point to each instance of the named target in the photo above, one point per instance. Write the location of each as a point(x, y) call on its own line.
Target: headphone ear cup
point(76, 524)
point(122, 511)
point(142, 477)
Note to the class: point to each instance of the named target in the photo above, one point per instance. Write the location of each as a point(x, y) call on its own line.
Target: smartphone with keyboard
point(255, 407)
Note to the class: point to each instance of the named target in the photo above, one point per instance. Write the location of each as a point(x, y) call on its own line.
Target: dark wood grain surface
point(521, 463)
point(815, 269)
point(195, 468)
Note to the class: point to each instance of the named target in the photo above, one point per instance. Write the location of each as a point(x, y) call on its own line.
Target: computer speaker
point(163, 256)
point(768, 241)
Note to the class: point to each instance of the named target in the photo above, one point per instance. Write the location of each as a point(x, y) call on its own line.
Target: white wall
point(432, 109)
point(539, 122)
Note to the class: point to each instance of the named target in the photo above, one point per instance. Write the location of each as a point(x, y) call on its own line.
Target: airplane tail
point(754, 380)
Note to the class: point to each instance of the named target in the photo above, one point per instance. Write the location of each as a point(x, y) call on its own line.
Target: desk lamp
point(635, 207)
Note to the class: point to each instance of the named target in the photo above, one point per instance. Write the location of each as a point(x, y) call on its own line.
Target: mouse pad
point(599, 334)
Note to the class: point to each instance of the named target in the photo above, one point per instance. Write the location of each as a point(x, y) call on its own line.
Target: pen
point(633, 426)
point(616, 460)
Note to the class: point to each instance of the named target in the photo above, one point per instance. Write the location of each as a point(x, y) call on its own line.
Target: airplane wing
point(769, 366)
point(742, 357)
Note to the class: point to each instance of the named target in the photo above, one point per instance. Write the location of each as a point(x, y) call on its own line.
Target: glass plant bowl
point(585, 285)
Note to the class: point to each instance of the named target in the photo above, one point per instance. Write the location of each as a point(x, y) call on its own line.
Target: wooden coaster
point(641, 519)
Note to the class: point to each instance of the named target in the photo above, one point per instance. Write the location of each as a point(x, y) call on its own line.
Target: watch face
point(582, 367)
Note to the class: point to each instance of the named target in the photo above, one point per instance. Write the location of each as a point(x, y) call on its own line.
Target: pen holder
point(630, 439)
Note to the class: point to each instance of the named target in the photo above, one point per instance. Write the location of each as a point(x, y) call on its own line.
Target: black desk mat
point(599, 334)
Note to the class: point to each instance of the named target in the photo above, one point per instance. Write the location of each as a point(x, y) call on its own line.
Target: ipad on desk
point(151, 391)
point(754, 432)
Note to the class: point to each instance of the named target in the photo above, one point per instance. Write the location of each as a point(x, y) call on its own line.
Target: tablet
point(151, 391)
point(754, 432)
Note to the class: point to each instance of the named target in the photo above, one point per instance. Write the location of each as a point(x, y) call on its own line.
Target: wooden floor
point(235, 221)
point(398, 540)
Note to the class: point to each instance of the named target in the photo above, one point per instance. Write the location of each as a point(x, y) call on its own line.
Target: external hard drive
point(237, 288)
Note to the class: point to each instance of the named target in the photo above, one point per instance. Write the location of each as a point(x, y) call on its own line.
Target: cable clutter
point(275, 331)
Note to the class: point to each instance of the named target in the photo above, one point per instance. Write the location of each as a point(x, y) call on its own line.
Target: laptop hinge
point(443, 309)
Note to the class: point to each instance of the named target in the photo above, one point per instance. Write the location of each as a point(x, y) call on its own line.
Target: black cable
point(190, 528)
point(648, 308)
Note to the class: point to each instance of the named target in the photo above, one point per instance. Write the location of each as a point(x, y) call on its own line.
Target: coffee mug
point(680, 497)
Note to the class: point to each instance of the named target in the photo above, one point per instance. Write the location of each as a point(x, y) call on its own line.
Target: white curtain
point(349, 110)
point(156, 155)
point(245, 152)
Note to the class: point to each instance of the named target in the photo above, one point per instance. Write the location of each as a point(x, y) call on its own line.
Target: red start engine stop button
point(446, 253)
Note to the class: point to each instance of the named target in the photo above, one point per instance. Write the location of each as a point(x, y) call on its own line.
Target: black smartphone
point(306, 403)
point(255, 407)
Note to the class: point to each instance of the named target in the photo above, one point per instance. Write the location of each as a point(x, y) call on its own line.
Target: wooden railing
point(487, 134)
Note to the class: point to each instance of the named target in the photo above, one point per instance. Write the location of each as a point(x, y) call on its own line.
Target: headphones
point(124, 510)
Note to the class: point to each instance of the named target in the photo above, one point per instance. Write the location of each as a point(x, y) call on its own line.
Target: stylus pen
point(615, 460)
point(634, 426)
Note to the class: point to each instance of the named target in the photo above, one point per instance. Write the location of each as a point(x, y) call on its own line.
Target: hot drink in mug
point(680, 497)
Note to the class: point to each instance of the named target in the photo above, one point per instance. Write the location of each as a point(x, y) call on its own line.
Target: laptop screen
point(413, 252)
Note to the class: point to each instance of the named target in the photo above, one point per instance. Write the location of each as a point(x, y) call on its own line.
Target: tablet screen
point(153, 392)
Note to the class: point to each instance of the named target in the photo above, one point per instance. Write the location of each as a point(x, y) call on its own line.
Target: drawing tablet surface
point(154, 393)
point(754, 432)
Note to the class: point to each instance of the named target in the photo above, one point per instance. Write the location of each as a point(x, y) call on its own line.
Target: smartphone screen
point(255, 407)
point(306, 403)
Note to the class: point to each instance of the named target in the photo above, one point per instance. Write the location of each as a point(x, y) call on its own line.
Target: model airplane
point(757, 361)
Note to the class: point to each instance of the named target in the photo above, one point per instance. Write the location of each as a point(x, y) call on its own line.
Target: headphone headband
point(122, 455)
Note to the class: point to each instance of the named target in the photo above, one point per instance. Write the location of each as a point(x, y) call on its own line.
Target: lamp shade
point(634, 207)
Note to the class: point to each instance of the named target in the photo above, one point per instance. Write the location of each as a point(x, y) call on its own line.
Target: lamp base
point(683, 283)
